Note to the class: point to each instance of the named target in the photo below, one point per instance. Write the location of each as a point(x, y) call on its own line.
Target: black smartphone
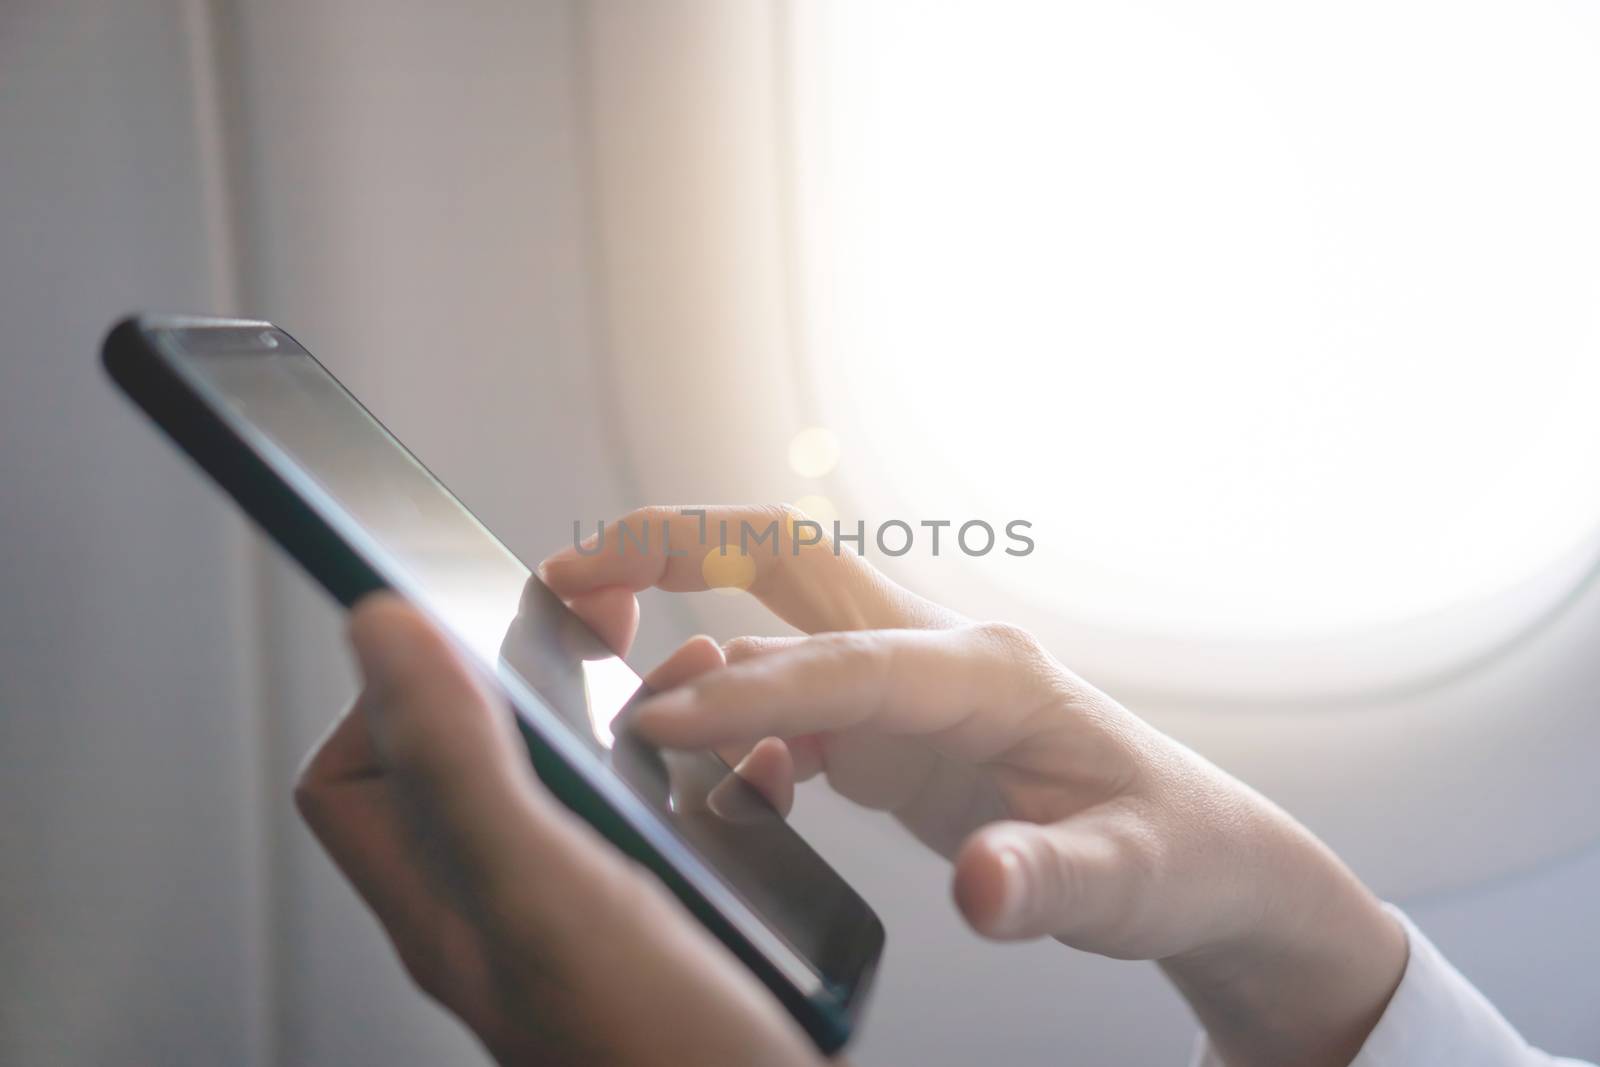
point(345, 498)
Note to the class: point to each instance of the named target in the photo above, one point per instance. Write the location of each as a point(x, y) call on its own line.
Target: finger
point(348, 806)
point(769, 769)
point(805, 754)
point(806, 750)
point(766, 765)
point(457, 768)
point(802, 576)
point(691, 659)
point(743, 648)
point(344, 753)
point(964, 691)
point(1073, 879)
point(612, 613)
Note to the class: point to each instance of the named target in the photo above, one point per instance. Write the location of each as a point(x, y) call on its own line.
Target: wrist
point(1309, 969)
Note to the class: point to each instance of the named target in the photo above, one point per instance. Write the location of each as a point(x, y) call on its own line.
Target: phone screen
point(562, 678)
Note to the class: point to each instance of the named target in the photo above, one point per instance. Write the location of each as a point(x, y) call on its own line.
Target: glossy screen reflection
point(507, 618)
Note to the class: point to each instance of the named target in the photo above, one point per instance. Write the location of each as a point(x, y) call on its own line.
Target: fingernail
point(1014, 890)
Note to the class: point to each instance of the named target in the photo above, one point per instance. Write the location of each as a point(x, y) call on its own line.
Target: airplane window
point(1274, 321)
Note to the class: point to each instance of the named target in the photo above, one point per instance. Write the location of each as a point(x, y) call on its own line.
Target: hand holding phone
point(504, 906)
point(347, 501)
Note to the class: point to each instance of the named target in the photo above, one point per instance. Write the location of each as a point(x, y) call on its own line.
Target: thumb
point(458, 769)
point(1019, 880)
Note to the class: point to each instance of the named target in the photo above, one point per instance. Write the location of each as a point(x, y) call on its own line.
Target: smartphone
point(341, 495)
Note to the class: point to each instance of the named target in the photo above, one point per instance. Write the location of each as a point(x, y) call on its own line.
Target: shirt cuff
point(1435, 1018)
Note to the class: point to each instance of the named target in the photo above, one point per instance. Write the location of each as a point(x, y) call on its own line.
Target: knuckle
point(307, 800)
point(651, 515)
point(1013, 645)
point(785, 512)
point(787, 516)
point(632, 530)
point(309, 792)
point(778, 517)
point(743, 647)
point(1009, 639)
point(1032, 675)
point(421, 967)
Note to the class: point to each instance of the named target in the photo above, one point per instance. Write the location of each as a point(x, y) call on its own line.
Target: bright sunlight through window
point(1274, 319)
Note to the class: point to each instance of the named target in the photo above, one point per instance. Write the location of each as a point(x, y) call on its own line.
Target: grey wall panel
point(127, 921)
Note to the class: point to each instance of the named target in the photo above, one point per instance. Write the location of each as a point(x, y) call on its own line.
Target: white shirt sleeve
point(1436, 1018)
